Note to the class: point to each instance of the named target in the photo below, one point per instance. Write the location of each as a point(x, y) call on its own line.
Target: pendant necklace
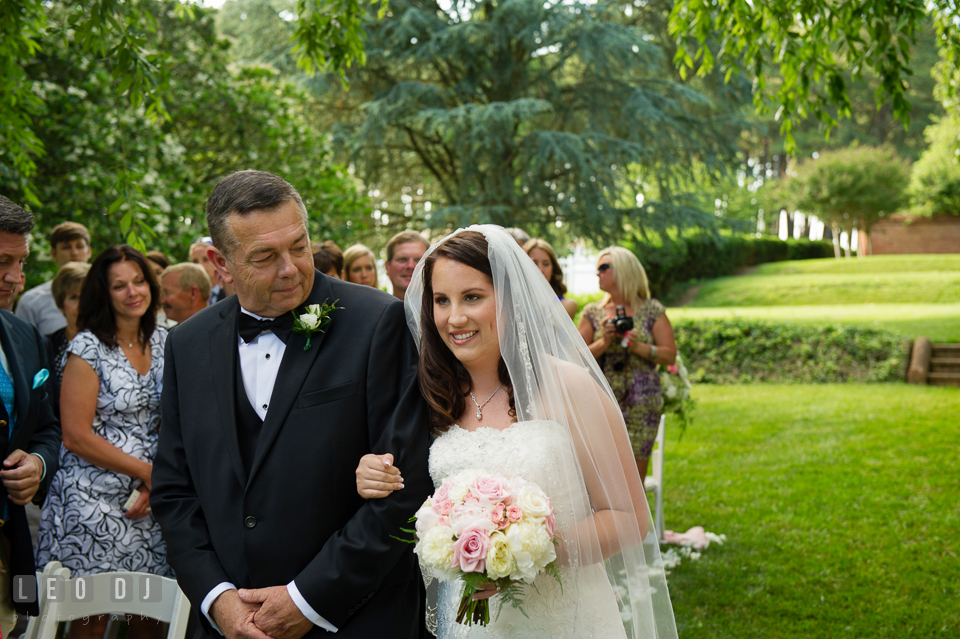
point(480, 406)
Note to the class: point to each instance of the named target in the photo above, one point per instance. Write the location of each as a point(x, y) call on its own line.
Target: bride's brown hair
point(444, 382)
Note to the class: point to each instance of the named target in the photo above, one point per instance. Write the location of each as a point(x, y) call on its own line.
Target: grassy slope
point(939, 322)
point(876, 264)
point(839, 503)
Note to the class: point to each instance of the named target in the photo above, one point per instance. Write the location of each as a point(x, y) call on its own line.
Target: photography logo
point(128, 589)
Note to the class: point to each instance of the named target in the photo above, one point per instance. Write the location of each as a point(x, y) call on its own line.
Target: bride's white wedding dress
point(536, 450)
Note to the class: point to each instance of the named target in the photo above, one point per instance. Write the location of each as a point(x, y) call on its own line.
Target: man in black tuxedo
point(256, 491)
point(29, 432)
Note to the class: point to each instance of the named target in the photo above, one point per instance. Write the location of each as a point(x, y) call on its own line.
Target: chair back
point(63, 598)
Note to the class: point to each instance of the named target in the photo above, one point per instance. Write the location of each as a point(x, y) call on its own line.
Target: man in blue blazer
point(29, 432)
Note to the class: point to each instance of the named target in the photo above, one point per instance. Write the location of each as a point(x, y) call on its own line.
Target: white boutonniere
point(316, 317)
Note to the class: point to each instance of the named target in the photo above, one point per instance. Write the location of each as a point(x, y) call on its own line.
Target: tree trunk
point(836, 240)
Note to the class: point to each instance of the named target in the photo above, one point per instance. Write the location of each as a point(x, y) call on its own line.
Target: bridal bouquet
point(675, 387)
point(487, 529)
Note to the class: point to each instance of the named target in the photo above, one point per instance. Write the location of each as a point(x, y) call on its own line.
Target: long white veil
point(556, 378)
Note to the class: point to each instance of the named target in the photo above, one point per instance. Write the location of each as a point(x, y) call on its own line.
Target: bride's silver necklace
point(480, 406)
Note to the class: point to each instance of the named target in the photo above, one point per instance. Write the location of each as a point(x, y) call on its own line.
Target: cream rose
point(533, 503)
point(500, 561)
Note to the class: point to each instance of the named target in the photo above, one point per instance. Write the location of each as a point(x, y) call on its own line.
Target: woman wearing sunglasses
point(629, 334)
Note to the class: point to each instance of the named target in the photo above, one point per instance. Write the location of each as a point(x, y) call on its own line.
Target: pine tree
point(533, 114)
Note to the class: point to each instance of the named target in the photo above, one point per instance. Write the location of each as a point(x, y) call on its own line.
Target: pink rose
point(497, 513)
point(490, 488)
point(443, 493)
point(503, 523)
point(673, 369)
point(470, 550)
point(551, 523)
point(514, 513)
point(442, 507)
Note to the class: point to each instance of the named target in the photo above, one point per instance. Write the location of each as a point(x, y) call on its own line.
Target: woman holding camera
point(629, 334)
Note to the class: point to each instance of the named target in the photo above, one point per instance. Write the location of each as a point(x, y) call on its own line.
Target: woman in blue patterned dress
point(630, 361)
point(110, 407)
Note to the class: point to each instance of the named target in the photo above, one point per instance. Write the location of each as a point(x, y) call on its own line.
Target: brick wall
point(902, 234)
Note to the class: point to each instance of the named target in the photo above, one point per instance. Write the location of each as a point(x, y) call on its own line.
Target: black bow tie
point(251, 327)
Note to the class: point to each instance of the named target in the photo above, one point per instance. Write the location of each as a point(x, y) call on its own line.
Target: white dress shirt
point(259, 365)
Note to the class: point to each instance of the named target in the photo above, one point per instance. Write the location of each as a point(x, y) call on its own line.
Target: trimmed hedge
point(740, 351)
point(702, 256)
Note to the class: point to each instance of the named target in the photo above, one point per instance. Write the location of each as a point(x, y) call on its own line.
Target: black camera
point(621, 322)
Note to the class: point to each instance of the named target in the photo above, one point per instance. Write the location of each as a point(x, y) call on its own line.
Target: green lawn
point(939, 322)
point(875, 264)
point(823, 288)
point(839, 503)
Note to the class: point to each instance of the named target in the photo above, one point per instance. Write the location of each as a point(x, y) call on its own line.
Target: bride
point(512, 387)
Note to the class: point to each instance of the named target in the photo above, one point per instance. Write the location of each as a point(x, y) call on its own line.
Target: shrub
point(701, 256)
point(742, 351)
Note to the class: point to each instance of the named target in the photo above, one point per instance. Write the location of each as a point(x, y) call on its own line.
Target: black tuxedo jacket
point(35, 430)
point(297, 516)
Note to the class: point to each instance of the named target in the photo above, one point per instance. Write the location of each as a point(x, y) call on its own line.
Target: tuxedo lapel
point(293, 371)
point(225, 360)
point(21, 392)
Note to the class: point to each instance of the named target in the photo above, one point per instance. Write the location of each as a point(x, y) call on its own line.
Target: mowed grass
point(874, 264)
point(939, 322)
point(839, 503)
point(829, 288)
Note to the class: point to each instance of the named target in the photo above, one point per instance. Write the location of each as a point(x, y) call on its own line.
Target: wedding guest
point(30, 436)
point(404, 251)
point(66, 293)
point(185, 291)
point(199, 255)
point(158, 261)
point(69, 242)
point(546, 260)
point(360, 266)
point(521, 236)
point(329, 259)
point(110, 401)
point(630, 359)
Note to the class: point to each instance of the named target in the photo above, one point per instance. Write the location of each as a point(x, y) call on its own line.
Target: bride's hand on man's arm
point(377, 477)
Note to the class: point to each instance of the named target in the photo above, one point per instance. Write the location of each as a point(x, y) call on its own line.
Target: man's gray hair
point(14, 218)
point(402, 238)
point(244, 192)
point(190, 275)
point(521, 236)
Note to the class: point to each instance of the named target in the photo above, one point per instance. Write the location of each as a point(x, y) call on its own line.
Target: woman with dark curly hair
point(110, 407)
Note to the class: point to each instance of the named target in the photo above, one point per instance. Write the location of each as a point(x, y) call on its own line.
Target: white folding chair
point(172, 607)
point(653, 483)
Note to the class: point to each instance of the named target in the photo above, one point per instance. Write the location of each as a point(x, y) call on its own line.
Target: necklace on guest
point(480, 406)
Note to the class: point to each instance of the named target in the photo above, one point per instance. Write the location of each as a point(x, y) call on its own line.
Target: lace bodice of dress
point(542, 452)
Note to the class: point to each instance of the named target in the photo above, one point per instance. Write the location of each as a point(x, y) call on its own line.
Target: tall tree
point(116, 170)
point(851, 188)
point(520, 112)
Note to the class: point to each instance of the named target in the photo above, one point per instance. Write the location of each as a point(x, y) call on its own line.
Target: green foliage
point(701, 255)
point(935, 181)
point(123, 38)
point(811, 45)
point(939, 322)
point(839, 506)
point(528, 114)
point(116, 169)
point(852, 187)
point(743, 351)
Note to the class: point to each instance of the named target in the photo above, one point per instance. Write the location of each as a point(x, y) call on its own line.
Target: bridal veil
point(556, 378)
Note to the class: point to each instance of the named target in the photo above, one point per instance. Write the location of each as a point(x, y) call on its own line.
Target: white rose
point(500, 561)
point(672, 392)
point(533, 502)
point(427, 518)
point(310, 320)
point(458, 492)
point(314, 308)
point(435, 549)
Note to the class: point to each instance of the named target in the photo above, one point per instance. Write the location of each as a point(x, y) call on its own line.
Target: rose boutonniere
point(313, 320)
